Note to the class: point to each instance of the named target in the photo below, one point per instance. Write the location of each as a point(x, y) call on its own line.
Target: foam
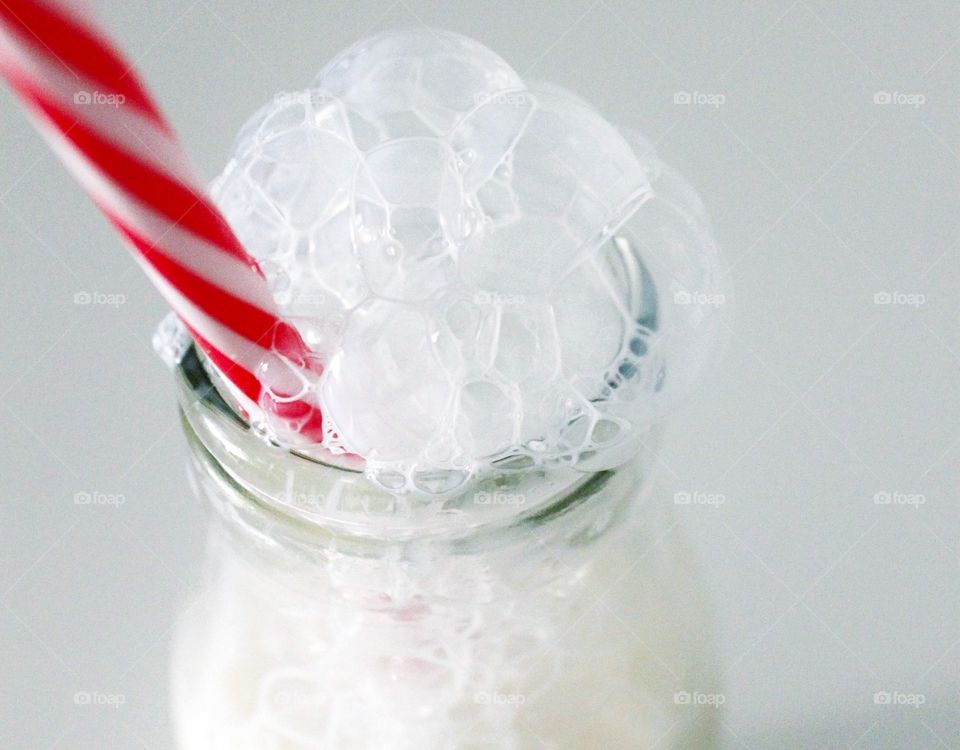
point(492, 272)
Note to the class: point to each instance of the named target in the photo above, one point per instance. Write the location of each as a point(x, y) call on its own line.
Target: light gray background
point(822, 198)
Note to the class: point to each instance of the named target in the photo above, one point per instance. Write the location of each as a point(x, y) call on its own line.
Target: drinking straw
point(99, 118)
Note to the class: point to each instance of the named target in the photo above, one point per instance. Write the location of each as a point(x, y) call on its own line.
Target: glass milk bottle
point(538, 610)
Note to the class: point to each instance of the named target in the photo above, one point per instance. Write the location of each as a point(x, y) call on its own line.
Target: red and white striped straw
point(101, 121)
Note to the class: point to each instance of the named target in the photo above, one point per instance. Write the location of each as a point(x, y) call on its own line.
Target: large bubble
point(494, 275)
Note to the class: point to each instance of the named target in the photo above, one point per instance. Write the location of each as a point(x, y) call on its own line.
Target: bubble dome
point(494, 276)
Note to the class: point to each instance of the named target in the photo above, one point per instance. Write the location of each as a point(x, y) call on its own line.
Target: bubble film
point(493, 274)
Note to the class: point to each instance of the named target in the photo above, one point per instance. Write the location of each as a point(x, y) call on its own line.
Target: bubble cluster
point(493, 274)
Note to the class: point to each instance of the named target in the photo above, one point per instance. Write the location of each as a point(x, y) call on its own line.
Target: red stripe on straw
point(171, 198)
point(79, 49)
point(307, 415)
point(243, 379)
point(226, 317)
point(249, 321)
point(238, 315)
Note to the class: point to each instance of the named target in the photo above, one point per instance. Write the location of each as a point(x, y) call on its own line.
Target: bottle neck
point(315, 503)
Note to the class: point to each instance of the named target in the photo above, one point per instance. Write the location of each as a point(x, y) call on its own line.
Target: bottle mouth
point(196, 377)
point(340, 500)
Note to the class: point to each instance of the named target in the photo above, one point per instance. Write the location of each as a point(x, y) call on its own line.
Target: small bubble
point(391, 480)
point(467, 157)
point(605, 431)
point(439, 482)
point(280, 378)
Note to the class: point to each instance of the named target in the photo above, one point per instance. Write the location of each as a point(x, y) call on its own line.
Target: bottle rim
point(335, 499)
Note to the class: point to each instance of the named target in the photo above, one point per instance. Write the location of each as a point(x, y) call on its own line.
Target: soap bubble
point(493, 274)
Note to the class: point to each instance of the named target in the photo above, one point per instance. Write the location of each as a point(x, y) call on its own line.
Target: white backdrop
point(825, 140)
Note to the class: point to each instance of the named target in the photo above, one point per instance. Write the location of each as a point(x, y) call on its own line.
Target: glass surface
point(562, 625)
